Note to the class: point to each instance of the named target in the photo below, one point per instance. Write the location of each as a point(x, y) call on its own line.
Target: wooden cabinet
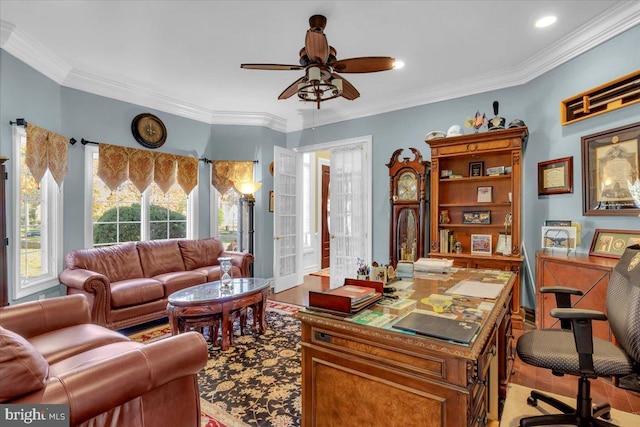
point(409, 192)
point(4, 291)
point(456, 205)
point(587, 273)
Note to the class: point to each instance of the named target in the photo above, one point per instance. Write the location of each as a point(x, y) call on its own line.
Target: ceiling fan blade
point(317, 47)
point(365, 64)
point(348, 90)
point(275, 67)
point(291, 90)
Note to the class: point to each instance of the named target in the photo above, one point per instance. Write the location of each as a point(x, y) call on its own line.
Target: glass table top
point(212, 291)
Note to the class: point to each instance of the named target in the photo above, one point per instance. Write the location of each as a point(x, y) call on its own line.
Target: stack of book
point(351, 298)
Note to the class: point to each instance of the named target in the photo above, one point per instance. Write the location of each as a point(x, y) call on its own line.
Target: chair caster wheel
point(532, 401)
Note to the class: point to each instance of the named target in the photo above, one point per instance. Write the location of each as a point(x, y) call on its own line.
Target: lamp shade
point(248, 188)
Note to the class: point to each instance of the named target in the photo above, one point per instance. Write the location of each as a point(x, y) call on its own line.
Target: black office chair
point(573, 350)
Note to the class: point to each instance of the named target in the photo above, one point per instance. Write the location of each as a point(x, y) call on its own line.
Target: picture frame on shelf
point(610, 173)
point(504, 242)
point(563, 238)
point(481, 244)
point(612, 243)
point(476, 217)
point(476, 169)
point(484, 194)
point(558, 223)
point(555, 176)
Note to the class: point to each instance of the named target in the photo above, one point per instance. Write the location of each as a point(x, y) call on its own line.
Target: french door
point(287, 254)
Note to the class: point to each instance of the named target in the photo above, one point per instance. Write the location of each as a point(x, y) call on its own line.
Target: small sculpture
point(496, 122)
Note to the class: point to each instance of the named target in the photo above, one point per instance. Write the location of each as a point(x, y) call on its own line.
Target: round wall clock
point(149, 130)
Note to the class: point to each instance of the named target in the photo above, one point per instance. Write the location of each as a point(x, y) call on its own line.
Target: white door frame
point(366, 140)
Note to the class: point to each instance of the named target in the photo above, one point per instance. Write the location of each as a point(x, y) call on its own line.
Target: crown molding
point(608, 25)
point(33, 53)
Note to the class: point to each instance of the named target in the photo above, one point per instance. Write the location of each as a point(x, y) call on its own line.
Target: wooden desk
point(354, 374)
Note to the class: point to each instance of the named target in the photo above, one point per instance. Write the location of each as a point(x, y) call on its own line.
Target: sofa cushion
point(130, 292)
point(117, 262)
point(201, 252)
point(214, 273)
point(66, 342)
point(179, 280)
point(160, 256)
point(22, 367)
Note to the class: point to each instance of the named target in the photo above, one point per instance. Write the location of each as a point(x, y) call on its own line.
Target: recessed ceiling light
point(545, 22)
point(397, 64)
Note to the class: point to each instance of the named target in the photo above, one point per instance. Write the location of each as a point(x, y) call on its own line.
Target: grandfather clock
point(409, 198)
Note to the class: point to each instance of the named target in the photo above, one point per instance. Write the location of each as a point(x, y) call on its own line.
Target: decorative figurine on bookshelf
point(506, 249)
point(444, 216)
point(457, 246)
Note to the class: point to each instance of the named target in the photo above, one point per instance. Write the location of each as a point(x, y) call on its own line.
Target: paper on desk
point(401, 284)
point(476, 289)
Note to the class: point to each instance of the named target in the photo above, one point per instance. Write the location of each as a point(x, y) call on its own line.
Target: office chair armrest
point(577, 314)
point(581, 321)
point(563, 299)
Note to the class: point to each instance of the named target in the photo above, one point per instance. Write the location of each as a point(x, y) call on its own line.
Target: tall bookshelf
point(457, 207)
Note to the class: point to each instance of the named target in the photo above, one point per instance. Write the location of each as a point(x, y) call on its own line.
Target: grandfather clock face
point(407, 187)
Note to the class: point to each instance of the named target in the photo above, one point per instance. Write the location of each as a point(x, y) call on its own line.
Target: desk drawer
point(488, 353)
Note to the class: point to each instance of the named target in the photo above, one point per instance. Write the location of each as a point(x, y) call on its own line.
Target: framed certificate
point(555, 176)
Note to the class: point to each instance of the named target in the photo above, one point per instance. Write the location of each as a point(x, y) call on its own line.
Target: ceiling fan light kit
point(321, 82)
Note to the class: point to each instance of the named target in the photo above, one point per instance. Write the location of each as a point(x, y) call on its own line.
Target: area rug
point(322, 273)
point(257, 382)
point(516, 407)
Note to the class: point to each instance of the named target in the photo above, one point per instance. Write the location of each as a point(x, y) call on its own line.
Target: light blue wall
point(26, 93)
point(538, 104)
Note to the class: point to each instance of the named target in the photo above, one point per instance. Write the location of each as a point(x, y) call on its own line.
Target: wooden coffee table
point(210, 299)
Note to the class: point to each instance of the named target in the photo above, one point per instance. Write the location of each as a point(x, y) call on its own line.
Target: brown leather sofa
point(129, 284)
point(51, 353)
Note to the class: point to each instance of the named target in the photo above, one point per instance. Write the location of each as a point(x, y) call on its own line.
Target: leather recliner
point(51, 353)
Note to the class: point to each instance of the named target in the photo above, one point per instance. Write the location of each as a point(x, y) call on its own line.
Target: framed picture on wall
point(555, 176)
point(610, 174)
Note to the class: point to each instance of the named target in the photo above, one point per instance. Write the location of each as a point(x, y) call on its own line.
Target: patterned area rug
point(257, 382)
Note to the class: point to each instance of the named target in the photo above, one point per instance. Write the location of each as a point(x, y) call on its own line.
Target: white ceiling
point(183, 57)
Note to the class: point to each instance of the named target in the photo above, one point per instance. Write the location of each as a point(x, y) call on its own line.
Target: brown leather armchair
point(50, 353)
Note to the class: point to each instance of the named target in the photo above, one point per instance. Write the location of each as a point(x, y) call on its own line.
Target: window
point(126, 215)
point(37, 252)
point(226, 223)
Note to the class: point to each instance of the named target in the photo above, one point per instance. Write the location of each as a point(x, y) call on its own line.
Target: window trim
point(192, 204)
point(55, 211)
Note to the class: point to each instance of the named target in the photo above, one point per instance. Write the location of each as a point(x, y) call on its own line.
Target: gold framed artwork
point(610, 176)
point(612, 243)
point(555, 176)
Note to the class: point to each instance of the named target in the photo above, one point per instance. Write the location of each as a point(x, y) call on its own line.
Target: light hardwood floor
point(602, 390)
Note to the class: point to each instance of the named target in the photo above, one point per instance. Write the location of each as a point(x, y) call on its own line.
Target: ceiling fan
point(318, 60)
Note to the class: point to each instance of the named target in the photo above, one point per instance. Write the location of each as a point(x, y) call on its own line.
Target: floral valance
point(46, 150)
point(116, 164)
point(226, 173)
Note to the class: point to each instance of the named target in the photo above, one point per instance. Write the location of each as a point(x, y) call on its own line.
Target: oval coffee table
point(210, 299)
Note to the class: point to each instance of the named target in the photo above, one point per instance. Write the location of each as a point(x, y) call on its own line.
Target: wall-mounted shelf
point(601, 99)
